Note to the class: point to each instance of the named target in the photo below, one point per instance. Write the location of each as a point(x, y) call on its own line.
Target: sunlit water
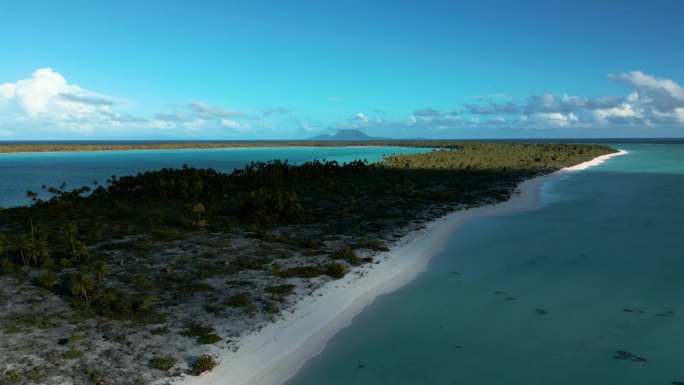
point(547, 296)
point(30, 171)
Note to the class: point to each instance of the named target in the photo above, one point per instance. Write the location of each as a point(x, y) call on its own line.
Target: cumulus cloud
point(430, 113)
point(553, 119)
point(47, 94)
point(564, 103)
point(47, 104)
point(86, 99)
point(174, 117)
point(642, 81)
point(625, 113)
point(235, 126)
point(361, 117)
point(204, 111)
point(47, 101)
point(426, 112)
point(652, 101)
point(422, 119)
point(663, 95)
point(492, 109)
point(268, 111)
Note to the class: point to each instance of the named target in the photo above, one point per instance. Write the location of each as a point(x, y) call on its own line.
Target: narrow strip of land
point(274, 354)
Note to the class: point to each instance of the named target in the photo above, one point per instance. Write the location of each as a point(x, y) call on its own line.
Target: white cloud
point(47, 94)
point(204, 111)
point(640, 80)
point(361, 117)
point(652, 101)
point(652, 93)
point(236, 126)
point(679, 114)
point(46, 100)
point(623, 112)
point(554, 119)
point(47, 105)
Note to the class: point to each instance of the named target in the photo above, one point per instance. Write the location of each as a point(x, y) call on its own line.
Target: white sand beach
point(276, 352)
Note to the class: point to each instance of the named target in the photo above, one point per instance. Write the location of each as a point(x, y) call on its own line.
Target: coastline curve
point(275, 353)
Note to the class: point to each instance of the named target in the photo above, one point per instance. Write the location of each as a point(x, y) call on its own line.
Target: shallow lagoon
point(29, 171)
point(546, 296)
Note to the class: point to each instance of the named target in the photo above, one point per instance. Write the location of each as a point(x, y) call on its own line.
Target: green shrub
point(272, 308)
point(237, 300)
point(362, 243)
point(208, 339)
point(76, 338)
point(204, 363)
point(280, 289)
point(337, 270)
point(72, 354)
point(348, 254)
point(378, 245)
point(113, 303)
point(303, 272)
point(10, 376)
point(47, 280)
point(6, 265)
point(193, 329)
point(162, 362)
point(313, 244)
point(205, 335)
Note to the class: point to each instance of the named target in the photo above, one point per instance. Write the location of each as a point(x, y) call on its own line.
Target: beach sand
point(275, 353)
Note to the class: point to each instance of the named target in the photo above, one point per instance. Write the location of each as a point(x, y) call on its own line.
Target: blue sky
point(293, 69)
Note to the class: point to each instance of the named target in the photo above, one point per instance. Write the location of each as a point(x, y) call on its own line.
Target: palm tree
point(32, 196)
point(101, 272)
point(38, 250)
point(199, 209)
point(4, 244)
point(81, 284)
point(78, 249)
point(21, 245)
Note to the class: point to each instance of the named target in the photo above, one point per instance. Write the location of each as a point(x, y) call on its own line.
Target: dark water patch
point(625, 355)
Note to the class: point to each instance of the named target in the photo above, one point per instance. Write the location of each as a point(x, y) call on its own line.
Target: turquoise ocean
point(20, 172)
point(588, 288)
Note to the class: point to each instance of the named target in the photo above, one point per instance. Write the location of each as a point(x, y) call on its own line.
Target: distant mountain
point(351, 135)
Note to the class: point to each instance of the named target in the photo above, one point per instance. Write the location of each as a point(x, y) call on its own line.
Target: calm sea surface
point(547, 296)
point(29, 171)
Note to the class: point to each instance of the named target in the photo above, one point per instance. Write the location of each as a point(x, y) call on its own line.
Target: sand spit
point(276, 352)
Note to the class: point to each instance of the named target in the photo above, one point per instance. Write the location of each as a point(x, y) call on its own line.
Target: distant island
point(347, 134)
point(339, 139)
point(347, 137)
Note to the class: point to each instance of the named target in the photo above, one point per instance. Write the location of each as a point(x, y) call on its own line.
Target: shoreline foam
point(275, 353)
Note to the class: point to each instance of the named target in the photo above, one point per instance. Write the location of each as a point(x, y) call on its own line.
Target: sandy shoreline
point(274, 354)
